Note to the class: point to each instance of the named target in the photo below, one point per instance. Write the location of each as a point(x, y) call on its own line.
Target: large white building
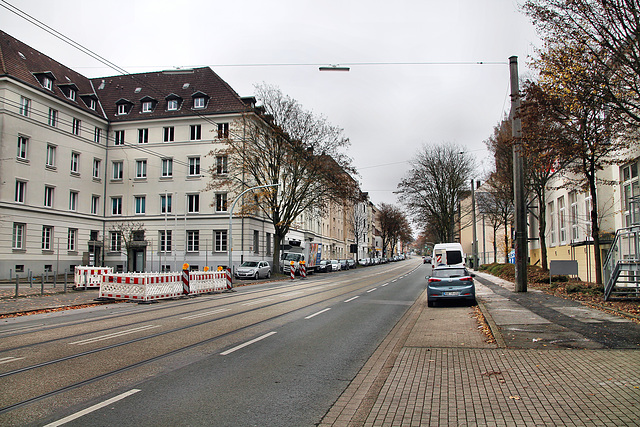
point(114, 171)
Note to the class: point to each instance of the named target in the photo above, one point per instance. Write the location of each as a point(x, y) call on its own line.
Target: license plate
point(451, 293)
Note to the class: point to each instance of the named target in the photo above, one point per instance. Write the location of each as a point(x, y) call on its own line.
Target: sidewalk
point(432, 370)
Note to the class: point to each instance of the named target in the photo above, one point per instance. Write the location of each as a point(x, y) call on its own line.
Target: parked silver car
point(335, 265)
point(253, 270)
point(451, 283)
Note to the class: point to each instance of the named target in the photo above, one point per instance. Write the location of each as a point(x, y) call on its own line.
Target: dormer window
point(47, 83)
point(199, 102)
point(92, 104)
point(123, 107)
point(147, 107)
point(90, 101)
point(70, 90)
point(172, 105)
point(46, 79)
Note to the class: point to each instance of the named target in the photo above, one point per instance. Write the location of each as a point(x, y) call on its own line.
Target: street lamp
point(334, 68)
point(231, 220)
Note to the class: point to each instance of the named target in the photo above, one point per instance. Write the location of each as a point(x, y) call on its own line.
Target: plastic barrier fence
point(89, 277)
point(154, 286)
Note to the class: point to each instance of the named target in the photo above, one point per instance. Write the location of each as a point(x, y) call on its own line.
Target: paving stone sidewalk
point(434, 371)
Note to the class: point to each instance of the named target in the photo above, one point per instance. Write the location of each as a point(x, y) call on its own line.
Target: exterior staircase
point(622, 266)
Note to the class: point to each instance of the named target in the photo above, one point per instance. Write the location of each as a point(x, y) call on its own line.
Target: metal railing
point(621, 269)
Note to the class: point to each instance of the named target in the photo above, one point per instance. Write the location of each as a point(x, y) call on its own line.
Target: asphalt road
point(271, 354)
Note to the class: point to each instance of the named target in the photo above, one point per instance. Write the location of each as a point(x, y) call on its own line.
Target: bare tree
point(357, 217)
point(289, 146)
point(434, 186)
point(394, 226)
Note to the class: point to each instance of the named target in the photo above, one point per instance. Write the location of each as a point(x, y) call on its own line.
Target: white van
point(449, 254)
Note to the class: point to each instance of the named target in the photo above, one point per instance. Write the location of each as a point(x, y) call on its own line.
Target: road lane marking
point(385, 284)
point(315, 314)
point(371, 290)
point(394, 280)
point(114, 335)
point(258, 301)
point(9, 359)
point(255, 340)
point(351, 299)
point(206, 313)
point(92, 408)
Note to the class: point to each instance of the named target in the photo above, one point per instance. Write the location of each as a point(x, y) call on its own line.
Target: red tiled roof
point(21, 61)
point(220, 97)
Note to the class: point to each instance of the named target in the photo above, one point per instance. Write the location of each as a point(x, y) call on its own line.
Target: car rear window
point(449, 272)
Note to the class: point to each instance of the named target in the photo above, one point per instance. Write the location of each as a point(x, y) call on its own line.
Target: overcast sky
point(406, 88)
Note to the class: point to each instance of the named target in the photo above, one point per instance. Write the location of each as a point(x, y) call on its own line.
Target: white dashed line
point(351, 299)
point(236, 348)
point(315, 314)
point(92, 408)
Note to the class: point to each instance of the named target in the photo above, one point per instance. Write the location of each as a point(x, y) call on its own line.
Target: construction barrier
point(292, 271)
point(303, 270)
point(154, 286)
point(89, 277)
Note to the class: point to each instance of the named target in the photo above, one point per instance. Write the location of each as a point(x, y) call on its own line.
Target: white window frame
point(116, 205)
point(51, 156)
point(76, 126)
point(164, 241)
point(116, 241)
point(122, 109)
point(222, 204)
point(562, 220)
point(97, 133)
point(194, 166)
point(199, 102)
point(193, 203)
point(141, 169)
point(140, 204)
point(172, 105)
point(75, 162)
point(143, 135)
point(574, 212)
point(95, 204)
point(552, 223)
point(167, 168)
point(222, 165)
point(18, 236)
point(118, 137)
point(166, 201)
point(193, 240)
point(96, 168)
point(25, 106)
point(23, 147)
point(168, 134)
point(117, 169)
point(196, 132)
point(73, 200)
point(221, 241)
point(47, 237)
point(72, 94)
point(49, 194)
point(47, 83)
point(72, 239)
point(21, 191)
point(53, 117)
point(147, 107)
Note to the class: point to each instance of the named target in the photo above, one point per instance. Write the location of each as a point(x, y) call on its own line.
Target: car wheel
point(269, 274)
point(256, 276)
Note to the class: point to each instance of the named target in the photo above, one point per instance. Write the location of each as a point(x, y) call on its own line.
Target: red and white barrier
point(154, 286)
point(89, 277)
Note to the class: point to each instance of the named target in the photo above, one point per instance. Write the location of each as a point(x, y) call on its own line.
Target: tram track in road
point(354, 285)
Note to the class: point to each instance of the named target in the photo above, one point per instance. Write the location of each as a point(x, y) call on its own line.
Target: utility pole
point(474, 245)
point(521, 237)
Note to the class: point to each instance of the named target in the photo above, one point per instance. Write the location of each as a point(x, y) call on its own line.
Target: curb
point(497, 335)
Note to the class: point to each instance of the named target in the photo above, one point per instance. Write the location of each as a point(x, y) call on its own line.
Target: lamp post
point(231, 220)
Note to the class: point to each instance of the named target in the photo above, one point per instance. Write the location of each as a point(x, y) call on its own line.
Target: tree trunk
point(595, 233)
point(542, 229)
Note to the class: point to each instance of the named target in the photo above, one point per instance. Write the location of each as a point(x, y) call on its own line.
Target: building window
point(143, 136)
point(140, 202)
point(165, 203)
point(51, 156)
point(165, 241)
point(172, 104)
point(220, 241)
point(116, 241)
point(196, 132)
point(47, 83)
point(141, 169)
point(552, 223)
point(221, 202)
point(96, 134)
point(21, 191)
point(194, 166)
point(96, 168)
point(47, 237)
point(72, 239)
point(116, 206)
point(221, 165)
point(193, 241)
point(75, 163)
point(147, 106)
point(48, 196)
point(587, 209)
point(167, 168)
point(118, 168)
point(269, 238)
point(92, 103)
point(95, 204)
point(118, 137)
point(73, 201)
point(72, 94)
point(562, 214)
point(256, 242)
point(122, 109)
point(223, 130)
point(18, 239)
point(169, 133)
point(193, 203)
point(630, 189)
point(76, 126)
point(53, 117)
point(199, 102)
point(23, 147)
point(25, 106)
point(573, 216)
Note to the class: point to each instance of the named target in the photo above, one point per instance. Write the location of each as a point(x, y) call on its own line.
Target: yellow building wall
point(583, 254)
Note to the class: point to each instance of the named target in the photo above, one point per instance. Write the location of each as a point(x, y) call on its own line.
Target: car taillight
point(434, 280)
point(467, 279)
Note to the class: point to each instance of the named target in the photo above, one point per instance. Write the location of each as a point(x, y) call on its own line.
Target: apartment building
point(115, 170)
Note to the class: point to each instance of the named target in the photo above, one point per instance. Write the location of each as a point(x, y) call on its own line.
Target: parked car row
point(375, 261)
point(327, 265)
